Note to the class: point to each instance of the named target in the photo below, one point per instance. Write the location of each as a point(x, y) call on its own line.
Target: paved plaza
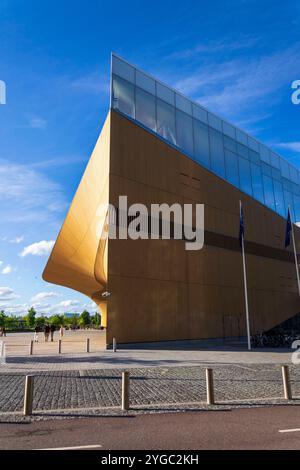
point(165, 376)
point(165, 388)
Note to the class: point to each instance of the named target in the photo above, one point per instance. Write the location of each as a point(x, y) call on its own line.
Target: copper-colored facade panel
point(159, 291)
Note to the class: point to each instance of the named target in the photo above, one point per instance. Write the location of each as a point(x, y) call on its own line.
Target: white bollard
point(125, 391)
point(114, 345)
point(28, 395)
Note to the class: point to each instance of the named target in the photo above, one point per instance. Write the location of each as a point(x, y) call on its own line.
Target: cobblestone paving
point(92, 388)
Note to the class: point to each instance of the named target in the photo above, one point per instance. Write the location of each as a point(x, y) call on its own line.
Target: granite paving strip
point(100, 388)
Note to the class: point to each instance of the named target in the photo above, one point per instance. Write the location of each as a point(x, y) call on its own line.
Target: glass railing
point(206, 138)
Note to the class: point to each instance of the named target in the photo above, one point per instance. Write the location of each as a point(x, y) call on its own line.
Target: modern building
point(157, 146)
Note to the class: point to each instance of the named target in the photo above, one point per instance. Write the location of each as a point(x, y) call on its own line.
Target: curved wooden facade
point(160, 291)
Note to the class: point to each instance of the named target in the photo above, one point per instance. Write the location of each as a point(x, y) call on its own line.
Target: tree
point(96, 320)
point(40, 322)
point(30, 317)
point(3, 318)
point(85, 318)
point(74, 320)
point(57, 320)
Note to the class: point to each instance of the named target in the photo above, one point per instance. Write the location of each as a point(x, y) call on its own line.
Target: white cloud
point(68, 303)
point(1, 262)
point(36, 122)
point(38, 249)
point(44, 295)
point(233, 86)
point(43, 307)
point(214, 47)
point(17, 240)
point(19, 309)
point(7, 269)
point(28, 196)
point(91, 83)
point(294, 146)
point(6, 293)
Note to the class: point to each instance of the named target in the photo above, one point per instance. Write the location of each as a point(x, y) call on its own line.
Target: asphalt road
point(256, 428)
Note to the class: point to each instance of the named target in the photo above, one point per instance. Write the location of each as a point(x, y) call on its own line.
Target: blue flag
point(242, 226)
point(288, 230)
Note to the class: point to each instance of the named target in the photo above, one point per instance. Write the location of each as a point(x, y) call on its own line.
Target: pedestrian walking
point(36, 334)
point(46, 332)
point(61, 332)
point(52, 330)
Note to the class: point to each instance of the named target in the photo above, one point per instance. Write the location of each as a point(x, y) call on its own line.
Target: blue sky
point(238, 58)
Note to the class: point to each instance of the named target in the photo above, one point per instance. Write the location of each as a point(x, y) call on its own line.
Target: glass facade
point(212, 142)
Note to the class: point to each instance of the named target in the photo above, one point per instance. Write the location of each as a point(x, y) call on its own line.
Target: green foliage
point(12, 322)
point(96, 320)
point(3, 319)
point(57, 320)
point(40, 322)
point(85, 318)
point(30, 317)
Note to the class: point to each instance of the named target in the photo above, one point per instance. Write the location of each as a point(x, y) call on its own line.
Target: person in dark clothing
point(52, 330)
point(47, 332)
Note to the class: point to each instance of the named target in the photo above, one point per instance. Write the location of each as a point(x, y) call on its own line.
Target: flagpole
point(295, 255)
point(245, 287)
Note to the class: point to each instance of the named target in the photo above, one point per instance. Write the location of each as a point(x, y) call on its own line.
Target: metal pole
point(210, 387)
point(31, 348)
point(295, 256)
point(246, 290)
point(114, 345)
point(88, 345)
point(28, 395)
point(125, 391)
point(59, 346)
point(286, 383)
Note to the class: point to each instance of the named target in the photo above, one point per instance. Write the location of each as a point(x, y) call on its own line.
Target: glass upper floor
point(212, 142)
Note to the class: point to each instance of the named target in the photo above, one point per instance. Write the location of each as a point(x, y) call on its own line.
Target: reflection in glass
point(201, 143)
point(166, 121)
point(285, 171)
point(245, 176)
point(257, 184)
point(279, 199)
point(122, 69)
point(269, 193)
point(145, 108)
point(297, 207)
point(145, 82)
point(217, 152)
point(123, 96)
point(230, 144)
point(184, 132)
point(289, 203)
point(243, 150)
point(227, 151)
point(165, 93)
point(232, 170)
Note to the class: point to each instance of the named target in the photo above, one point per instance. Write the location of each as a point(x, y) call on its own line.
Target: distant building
point(71, 315)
